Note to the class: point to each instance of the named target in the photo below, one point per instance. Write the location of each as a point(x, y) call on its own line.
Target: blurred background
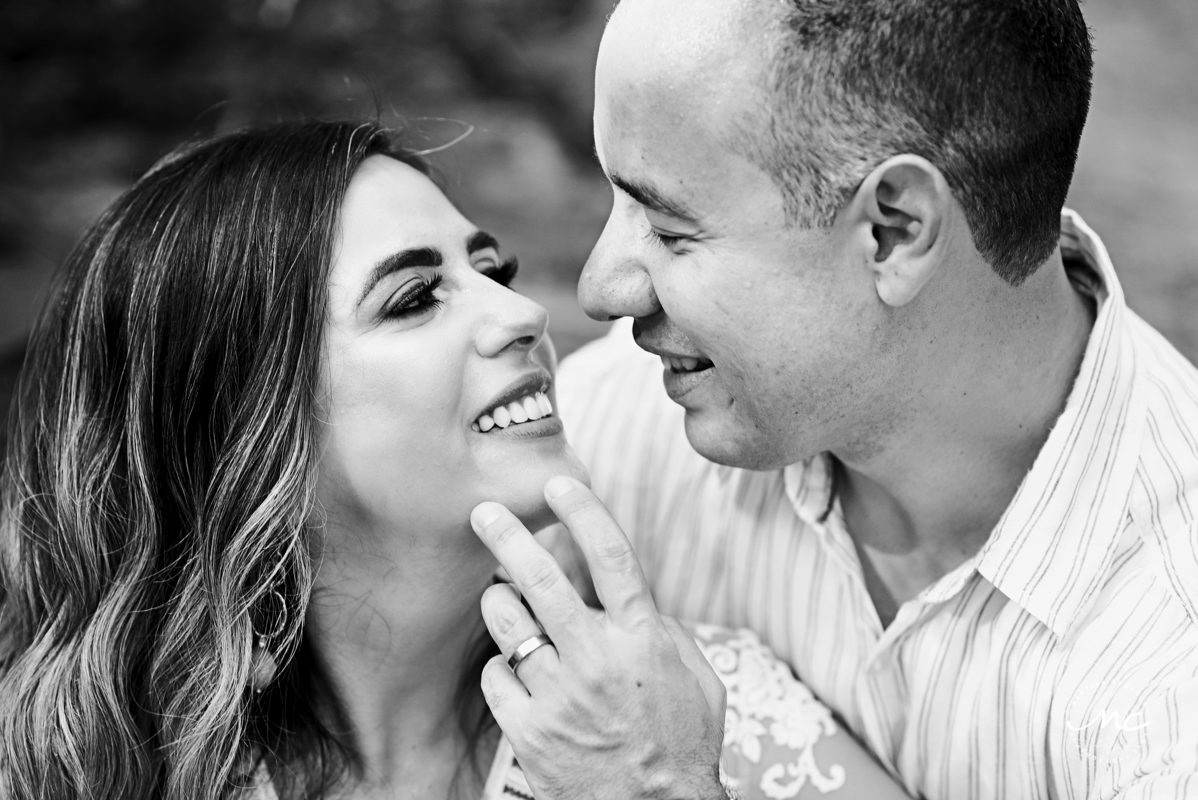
point(94, 91)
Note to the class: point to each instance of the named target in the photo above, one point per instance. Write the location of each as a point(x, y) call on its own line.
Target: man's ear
point(899, 212)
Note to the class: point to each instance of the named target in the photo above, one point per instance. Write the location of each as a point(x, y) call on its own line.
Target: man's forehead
point(670, 63)
point(679, 37)
point(668, 96)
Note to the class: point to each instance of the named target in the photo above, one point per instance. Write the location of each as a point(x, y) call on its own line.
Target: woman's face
point(424, 343)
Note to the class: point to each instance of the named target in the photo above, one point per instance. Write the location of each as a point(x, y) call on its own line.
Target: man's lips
point(685, 363)
point(680, 383)
point(675, 361)
point(684, 372)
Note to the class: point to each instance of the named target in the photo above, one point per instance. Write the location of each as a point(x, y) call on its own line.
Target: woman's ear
point(898, 212)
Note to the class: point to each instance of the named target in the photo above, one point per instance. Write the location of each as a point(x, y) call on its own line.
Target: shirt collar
point(1053, 547)
point(809, 487)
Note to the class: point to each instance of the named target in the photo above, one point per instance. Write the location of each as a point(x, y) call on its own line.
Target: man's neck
point(927, 502)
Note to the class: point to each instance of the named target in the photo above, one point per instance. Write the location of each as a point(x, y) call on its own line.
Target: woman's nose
point(513, 322)
point(614, 282)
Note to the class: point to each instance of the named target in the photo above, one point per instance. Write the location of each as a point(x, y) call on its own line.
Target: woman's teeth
point(535, 406)
point(684, 364)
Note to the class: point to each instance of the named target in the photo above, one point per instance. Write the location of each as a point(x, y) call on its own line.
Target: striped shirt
point(1061, 661)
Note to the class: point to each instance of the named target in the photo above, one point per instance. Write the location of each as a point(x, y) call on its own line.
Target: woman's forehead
point(390, 206)
point(383, 187)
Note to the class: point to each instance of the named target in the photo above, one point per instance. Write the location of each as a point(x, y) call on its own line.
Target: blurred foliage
point(150, 73)
point(162, 67)
point(94, 91)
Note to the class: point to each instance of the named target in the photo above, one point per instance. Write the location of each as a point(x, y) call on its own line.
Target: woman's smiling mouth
point(529, 408)
point(522, 410)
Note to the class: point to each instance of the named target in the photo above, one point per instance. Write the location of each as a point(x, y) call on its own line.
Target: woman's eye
point(414, 299)
point(505, 273)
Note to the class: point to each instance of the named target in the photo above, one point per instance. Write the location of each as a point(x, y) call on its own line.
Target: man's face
point(766, 329)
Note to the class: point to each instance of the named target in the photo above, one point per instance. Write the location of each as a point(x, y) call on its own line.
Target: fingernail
point(484, 514)
point(558, 486)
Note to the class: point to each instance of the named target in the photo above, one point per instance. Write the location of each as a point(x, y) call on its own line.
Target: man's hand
point(623, 705)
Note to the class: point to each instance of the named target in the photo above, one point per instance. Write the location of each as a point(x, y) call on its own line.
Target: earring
point(266, 666)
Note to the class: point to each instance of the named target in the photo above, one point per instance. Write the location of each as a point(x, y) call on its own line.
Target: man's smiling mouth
point(685, 364)
point(685, 374)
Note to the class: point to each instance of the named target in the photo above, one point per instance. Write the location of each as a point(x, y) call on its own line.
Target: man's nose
point(615, 282)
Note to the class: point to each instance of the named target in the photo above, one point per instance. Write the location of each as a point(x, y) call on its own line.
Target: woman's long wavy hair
point(159, 479)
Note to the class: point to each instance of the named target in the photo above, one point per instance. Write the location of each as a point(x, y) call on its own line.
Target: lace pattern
point(772, 723)
point(771, 727)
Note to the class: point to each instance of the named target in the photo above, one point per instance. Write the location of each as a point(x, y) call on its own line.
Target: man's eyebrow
point(481, 240)
point(404, 259)
point(654, 200)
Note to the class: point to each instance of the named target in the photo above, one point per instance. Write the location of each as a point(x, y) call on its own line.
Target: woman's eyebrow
point(404, 259)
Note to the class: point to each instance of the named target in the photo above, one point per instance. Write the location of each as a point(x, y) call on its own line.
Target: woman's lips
point(520, 411)
point(533, 429)
point(524, 399)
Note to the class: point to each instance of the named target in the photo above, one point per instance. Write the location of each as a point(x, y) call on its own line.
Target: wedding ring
point(525, 648)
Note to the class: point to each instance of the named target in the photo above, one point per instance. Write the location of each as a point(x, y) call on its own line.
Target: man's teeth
point(535, 406)
point(685, 364)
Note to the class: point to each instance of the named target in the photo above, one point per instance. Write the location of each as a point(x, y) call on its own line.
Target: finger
point(511, 625)
point(506, 697)
point(615, 571)
point(535, 573)
point(692, 656)
point(558, 541)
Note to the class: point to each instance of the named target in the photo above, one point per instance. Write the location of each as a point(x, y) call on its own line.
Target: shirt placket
point(880, 692)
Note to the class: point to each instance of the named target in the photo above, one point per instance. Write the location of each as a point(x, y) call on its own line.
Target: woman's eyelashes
point(414, 298)
point(418, 295)
point(505, 273)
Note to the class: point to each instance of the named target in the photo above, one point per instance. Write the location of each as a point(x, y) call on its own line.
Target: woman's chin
point(536, 519)
point(527, 499)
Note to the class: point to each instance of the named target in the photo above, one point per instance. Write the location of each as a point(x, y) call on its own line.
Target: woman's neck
point(394, 629)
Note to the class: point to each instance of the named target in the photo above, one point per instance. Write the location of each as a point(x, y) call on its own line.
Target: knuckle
point(647, 627)
point(503, 620)
point(543, 576)
point(575, 502)
point(489, 683)
point(616, 554)
point(501, 610)
point(503, 530)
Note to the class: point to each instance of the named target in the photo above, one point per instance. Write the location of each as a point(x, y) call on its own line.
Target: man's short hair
point(993, 92)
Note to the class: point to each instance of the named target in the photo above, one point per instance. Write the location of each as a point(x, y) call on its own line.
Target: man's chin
point(719, 437)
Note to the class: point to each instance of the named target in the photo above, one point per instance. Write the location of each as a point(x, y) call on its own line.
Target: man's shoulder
point(1127, 680)
point(1162, 367)
point(1164, 502)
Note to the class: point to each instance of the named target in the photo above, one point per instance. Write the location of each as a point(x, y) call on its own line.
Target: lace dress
point(771, 727)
